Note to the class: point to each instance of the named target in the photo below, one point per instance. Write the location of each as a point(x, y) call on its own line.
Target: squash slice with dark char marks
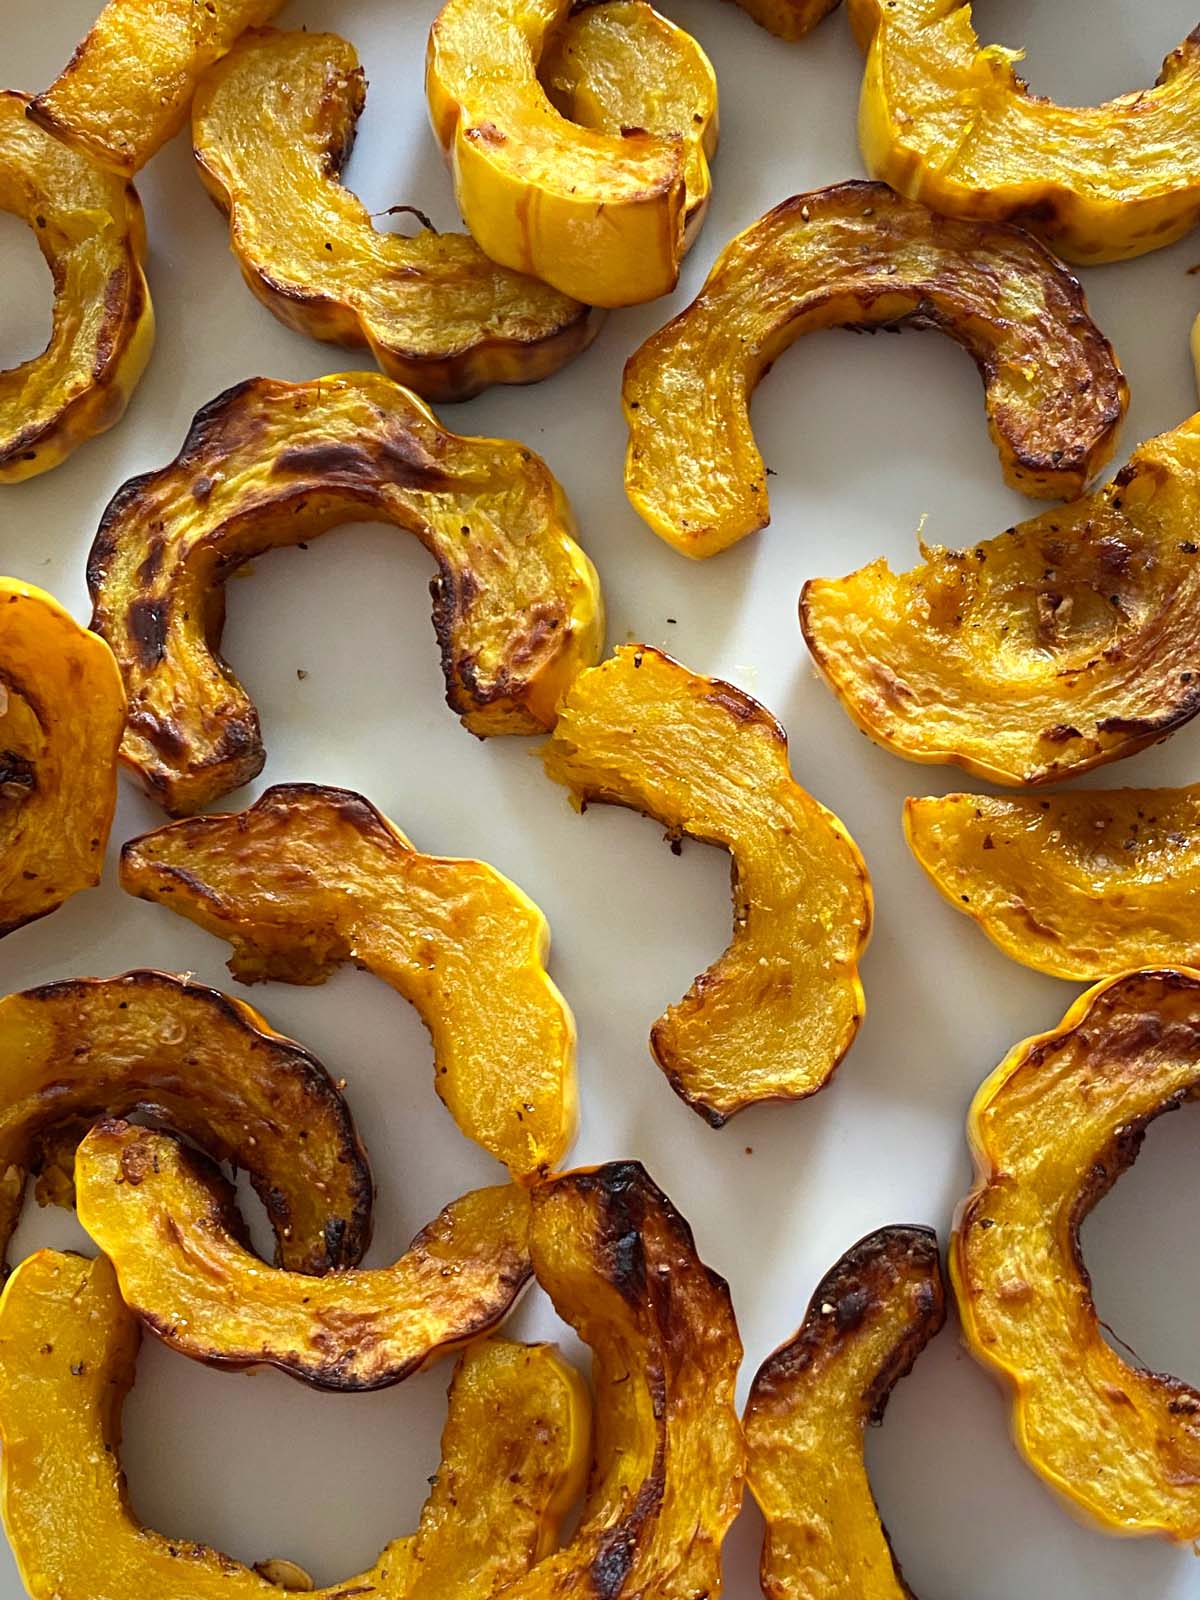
point(772, 1018)
point(200, 1062)
point(513, 1453)
point(1066, 642)
point(517, 608)
point(272, 126)
point(855, 255)
point(309, 878)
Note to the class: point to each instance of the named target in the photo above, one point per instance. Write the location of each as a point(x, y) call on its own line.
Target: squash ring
point(1051, 1130)
point(856, 255)
point(309, 878)
point(517, 607)
point(775, 1015)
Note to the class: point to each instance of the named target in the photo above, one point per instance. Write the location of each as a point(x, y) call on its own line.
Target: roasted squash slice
point(856, 255)
point(208, 1065)
point(166, 1219)
point(513, 1452)
point(810, 1403)
point(127, 88)
point(309, 878)
point(1078, 885)
point(1067, 642)
point(62, 711)
point(774, 1016)
point(272, 126)
point(517, 606)
point(948, 121)
point(90, 230)
point(1052, 1130)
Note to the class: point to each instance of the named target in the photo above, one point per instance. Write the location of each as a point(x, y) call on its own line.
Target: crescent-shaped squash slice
point(166, 1219)
point(1067, 642)
point(517, 607)
point(773, 1017)
point(309, 878)
point(1051, 1131)
point(810, 1404)
point(1079, 885)
point(203, 1063)
point(90, 230)
point(62, 712)
point(127, 88)
point(272, 126)
point(948, 121)
point(513, 1453)
point(858, 256)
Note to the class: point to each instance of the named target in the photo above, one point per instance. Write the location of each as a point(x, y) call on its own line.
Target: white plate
point(866, 437)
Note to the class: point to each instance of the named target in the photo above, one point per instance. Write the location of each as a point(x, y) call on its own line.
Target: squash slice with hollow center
point(309, 878)
point(810, 1405)
point(62, 711)
point(1067, 642)
point(858, 256)
point(1079, 885)
point(205, 1064)
point(948, 121)
point(266, 465)
point(272, 125)
point(90, 230)
point(774, 1016)
point(166, 1219)
point(513, 1454)
point(1051, 1131)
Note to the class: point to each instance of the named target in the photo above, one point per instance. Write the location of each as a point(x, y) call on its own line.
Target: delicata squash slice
point(272, 125)
point(773, 1017)
point(948, 121)
point(1052, 1130)
point(513, 1453)
point(810, 1404)
point(517, 607)
point(309, 878)
point(1066, 642)
point(205, 1064)
point(857, 255)
point(90, 230)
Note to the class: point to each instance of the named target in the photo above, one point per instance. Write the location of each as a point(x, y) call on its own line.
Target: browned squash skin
point(309, 878)
point(1065, 643)
point(517, 608)
point(810, 1404)
point(211, 1067)
point(1051, 1130)
point(513, 1451)
point(773, 1017)
point(856, 255)
point(273, 124)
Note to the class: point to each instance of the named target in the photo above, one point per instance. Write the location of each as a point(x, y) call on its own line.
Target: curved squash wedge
point(1051, 1131)
point(205, 1064)
point(513, 1452)
point(90, 230)
point(1079, 885)
point(309, 878)
point(166, 1219)
point(62, 712)
point(1067, 642)
point(948, 121)
point(810, 1404)
point(858, 256)
point(774, 1016)
point(272, 126)
point(517, 607)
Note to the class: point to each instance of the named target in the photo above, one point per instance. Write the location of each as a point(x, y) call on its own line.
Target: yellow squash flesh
point(774, 1016)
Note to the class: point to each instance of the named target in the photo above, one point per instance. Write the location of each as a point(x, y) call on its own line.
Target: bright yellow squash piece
point(775, 1015)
